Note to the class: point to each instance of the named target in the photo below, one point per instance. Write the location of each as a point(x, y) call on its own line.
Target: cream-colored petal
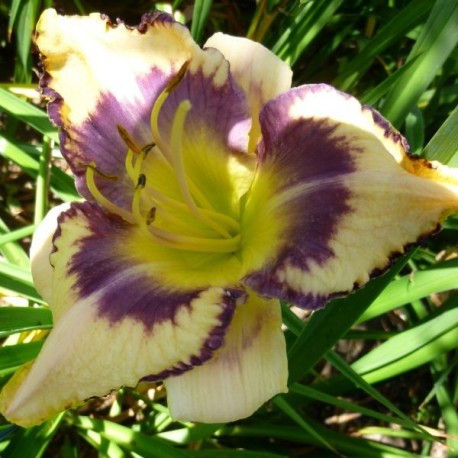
point(41, 249)
point(248, 370)
point(260, 73)
point(337, 176)
point(115, 322)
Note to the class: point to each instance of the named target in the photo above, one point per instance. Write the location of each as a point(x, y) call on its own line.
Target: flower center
point(185, 222)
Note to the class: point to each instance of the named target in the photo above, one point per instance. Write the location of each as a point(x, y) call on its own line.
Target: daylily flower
point(212, 191)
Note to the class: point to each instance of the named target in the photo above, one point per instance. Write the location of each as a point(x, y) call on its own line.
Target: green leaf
point(411, 348)
point(351, 374)
point(27, 113)
point(305, 25)
point(437, 40)
point(19, 280)
point(442, 277)
point(328, 325)
point(12, 251)
point(133, 441)
point(32, 442)
point(201, 10)
point(391, 33)
point(283, 405)
point(19, 319)
point(13, 356)
point(443, 147)
point(347, 445)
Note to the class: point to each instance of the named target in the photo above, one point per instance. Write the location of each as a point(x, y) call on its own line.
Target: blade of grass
point(103, 446)
point(373, 95)
point(42, 182)
point(20, 319)
point(317, 395)
point(18, 280)
point(13, 356)
point(402, 22)
point(328, 325)
point(12, 251)
point(413, 347)
point(18, 234)
point(25, 156)
point(351, 374)
point(201, 10)
point(33, 442)
point(443, 147)
point(193, 433)
point(448, 408)
point(437, 40)
point(306, 23)
point(345, 444)
point(131, 440)
point(27, 113)
point(441, 277)
point(231, 453)
point(284, 406)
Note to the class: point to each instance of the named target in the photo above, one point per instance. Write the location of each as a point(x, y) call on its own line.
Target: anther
point(151, 216)
point(128, 140)
point(173, 83)
point(147, 148)
point(141, 183)
point(93, 167)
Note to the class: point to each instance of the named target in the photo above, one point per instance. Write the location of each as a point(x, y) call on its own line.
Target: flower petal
point(41, 249)
point(249, 369)
point(349, 196)
point(115, 323)
point(97, 75)
point(259, 72)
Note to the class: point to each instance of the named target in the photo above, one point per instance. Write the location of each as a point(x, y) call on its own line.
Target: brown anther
point(147, 148)
point(92, 166)
point(127, 139)
point(151, 216)
point(141, 183)
point(173, 83)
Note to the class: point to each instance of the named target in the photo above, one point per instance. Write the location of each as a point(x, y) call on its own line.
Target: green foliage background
point(372, 375)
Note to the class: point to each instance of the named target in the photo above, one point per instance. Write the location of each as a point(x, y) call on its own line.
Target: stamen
point(99, 197)
point(129, 163)
point(141, 182)
point(184, 242)
point(178, 165)
point(158, 105)
point(133, 148)
point(164, 201)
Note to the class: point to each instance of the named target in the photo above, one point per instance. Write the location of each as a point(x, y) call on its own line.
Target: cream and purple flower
point(212, 191)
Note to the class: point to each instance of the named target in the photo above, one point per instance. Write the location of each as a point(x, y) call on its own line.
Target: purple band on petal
point(304, 151)
point(214, 340)
point(219, 109)
point(99, 266)
point(127, 291)
point(97, 138)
